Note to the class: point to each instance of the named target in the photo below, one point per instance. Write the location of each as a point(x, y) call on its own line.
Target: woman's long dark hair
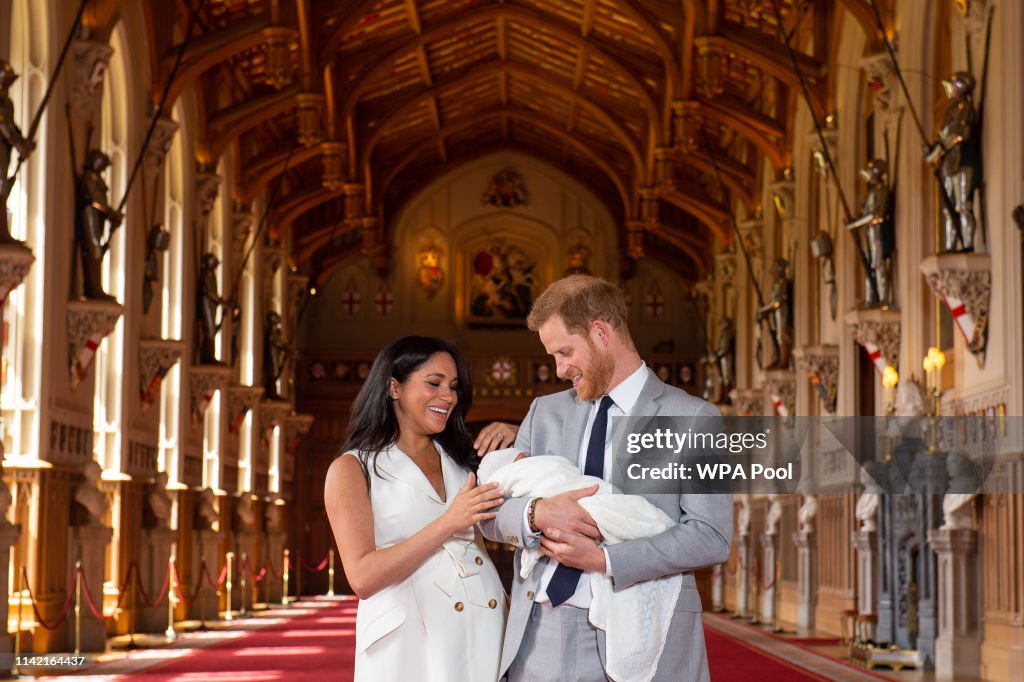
point(373, 426)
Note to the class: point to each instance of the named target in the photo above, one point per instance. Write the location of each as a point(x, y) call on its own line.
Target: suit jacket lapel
point(572, 429)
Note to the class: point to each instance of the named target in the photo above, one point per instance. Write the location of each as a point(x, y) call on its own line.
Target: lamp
point(933, 364)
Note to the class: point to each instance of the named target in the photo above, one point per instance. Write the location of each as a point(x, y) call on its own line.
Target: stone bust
point(158, 500)
point(88, 494)
point(206, 512)
point(805, 515)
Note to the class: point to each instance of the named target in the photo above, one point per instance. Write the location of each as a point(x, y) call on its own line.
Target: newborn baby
point(635, 619)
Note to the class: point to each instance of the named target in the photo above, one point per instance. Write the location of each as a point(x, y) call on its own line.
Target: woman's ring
point(501, 436)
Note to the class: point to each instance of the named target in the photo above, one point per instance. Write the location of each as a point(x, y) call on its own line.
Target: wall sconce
point(933, 364)
point(429, 273)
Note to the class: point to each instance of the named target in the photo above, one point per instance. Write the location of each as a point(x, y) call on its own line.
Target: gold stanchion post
point(132, 577)
point(199, 595)
point(78, 607)
point(17, 633)
point(241, 577)
point(227, 586)
point(169, 632)
point(298, 579)
point(284, 571)
point(330, 572)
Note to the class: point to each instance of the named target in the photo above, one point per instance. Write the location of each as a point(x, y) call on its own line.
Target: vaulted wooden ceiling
point(344, 109)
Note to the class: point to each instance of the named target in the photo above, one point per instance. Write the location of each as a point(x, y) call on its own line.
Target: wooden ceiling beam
point(413, 15)
point(709, 215)
point(587, 20)
point(261, 170)
point(741, 123)
point(333, 39)
point(617, 130)
point(300, 203)
point(381, 66)
point(205, 52)
point(424, 63)
point(227, 125)
point(501, 31)
point(698, 254)
point(580, 71)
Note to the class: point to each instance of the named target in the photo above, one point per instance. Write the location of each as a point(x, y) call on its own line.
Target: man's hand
point(495, 436)
point(563, 512)
point(573, 549)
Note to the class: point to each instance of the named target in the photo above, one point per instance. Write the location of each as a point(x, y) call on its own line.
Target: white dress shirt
point(624, 397)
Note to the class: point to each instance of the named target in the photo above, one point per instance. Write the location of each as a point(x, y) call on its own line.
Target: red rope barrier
point(163, 590)
point(255, 578)
point(177, 581)
point(32, 601)
point(320, 567)
point(120, 596)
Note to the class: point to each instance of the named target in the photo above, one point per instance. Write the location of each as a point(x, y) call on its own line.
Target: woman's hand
point(495, 436)
point(472, 503)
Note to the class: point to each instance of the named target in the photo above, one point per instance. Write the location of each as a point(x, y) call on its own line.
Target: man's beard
point(597, 375)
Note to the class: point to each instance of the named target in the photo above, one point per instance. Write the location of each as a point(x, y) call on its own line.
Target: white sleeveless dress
point(446, 621)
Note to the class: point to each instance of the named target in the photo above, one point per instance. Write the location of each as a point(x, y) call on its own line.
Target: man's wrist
point(531, 511)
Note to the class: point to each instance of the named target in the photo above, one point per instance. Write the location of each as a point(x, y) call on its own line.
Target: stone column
point(245, 550)
point(718, 588)
point(155, 552)
point(9, 533)
point(207, 602)
point(275, 565)
point(807, 579)
point(768, 583)
point(88, 545)
point(743, 577)
point(957, 647)
point(866, 544)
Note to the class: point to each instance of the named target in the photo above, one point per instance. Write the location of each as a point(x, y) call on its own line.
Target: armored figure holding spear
point(957, 157)
point(10, 139)
point(90, 223)
point(877, 229)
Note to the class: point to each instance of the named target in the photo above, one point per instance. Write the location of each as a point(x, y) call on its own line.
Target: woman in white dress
point(403, 503)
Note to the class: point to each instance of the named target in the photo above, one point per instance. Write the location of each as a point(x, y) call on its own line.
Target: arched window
point(171, 298)
point(23, 309)
point(107, 398)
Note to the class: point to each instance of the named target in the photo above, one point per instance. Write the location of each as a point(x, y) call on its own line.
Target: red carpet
point(731, 659)
point(308, 648)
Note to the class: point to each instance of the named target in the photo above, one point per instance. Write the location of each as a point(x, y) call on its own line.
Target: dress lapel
point(399, 466)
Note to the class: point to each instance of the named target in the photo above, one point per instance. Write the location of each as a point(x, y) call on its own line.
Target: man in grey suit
point(581, 321)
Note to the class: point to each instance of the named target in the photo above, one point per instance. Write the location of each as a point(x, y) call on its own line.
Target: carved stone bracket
point(294, 426)
point(15, 262)
point(207, 188)
point(273, 413)
point(882, 80)
point(877, 330)
point(333, 166)
point(748, 402)
point(156, 357)
point(241, 399)
point(309, 117)
point(821, 363)
point(831, 134)
point(780, 389)
point(160, 143)
point(204, 381)
point(725, 266)
point(89, 321)
point(91, 61)
point(752, 232)
point(242, 222)
point(685, 125)
point(975, 14)
point(964, 283)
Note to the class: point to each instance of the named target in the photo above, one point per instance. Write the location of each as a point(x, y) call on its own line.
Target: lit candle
point(890, 377)
point(928, 365)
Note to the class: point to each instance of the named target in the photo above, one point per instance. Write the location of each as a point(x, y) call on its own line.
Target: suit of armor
point(877, 235)
point(10, 139)
point(90, 224)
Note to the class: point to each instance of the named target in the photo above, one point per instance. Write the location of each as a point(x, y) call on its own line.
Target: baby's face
point(520, 456)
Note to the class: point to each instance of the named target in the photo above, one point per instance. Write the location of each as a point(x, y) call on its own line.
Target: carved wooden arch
point(496, 68)
point(332, 41)
point(712, 217)
point(862, 12)
point(261, 171)
point(779, 157)
point(559, 29)
point(732, 176)
point(531, 119)
point(227, 125)
point(207, 51)
point(310, 198)
point(699, 258)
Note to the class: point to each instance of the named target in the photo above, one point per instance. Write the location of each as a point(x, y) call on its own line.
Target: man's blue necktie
point(565, 578)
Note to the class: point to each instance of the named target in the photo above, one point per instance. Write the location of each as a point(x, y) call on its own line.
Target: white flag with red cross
point(780, 406)
point(877, 358)
point(384, 301)
point(84, 358)
point(350, 301)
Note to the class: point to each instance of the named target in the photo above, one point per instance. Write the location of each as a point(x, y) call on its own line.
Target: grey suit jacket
point(555, 426)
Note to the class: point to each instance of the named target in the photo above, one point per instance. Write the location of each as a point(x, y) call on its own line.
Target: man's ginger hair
point(580, 300)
